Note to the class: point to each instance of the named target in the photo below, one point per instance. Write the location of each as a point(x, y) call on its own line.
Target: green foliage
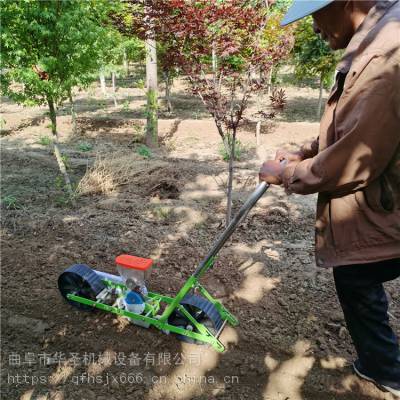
point(138, 134)
point(141, 84)
point(101, 103)
point(273, 33)
point(10, 202)
point(3, 123)
point(130, 47)
point(312, 56)
point(64, 198)
point(112, 56)
point(59, 182)
point(66, 161)
point(44, 140)
point(166, 66)
point(144, 151)
point(84, 146)
point(125, 106)
point(162, 213)
point(282, 5)
point(50, 46)
point(134, 48)
point(240, 149)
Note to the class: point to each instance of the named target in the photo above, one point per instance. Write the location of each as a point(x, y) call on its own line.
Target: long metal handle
point(239, 217)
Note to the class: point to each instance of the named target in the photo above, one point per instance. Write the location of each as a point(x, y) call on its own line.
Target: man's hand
point(271, 172)
point(282, 155)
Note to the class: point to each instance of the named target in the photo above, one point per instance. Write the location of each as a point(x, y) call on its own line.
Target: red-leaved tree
point(217, 45)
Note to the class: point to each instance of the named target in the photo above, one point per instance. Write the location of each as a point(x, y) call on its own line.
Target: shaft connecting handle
point(238, 218)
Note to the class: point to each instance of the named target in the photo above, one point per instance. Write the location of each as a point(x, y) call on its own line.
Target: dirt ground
point(291, 343)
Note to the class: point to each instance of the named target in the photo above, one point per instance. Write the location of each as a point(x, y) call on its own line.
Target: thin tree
point(231, 35)
point(168, 69)
point(151, 78)
point(43, 58)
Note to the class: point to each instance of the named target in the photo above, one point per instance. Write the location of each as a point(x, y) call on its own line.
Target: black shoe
point(359, 371)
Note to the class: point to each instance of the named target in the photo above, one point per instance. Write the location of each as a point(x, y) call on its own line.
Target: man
point(354, 165)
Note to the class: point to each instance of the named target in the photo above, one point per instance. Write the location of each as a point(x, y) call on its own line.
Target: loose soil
point(291, 343)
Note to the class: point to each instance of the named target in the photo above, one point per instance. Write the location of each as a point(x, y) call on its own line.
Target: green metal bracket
point(189, 284)
point(223, 312)
point(204, 334)
point(203, 269)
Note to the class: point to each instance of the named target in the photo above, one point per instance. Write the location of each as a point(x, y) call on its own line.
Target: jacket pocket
point(378, 196)
point(347, 221)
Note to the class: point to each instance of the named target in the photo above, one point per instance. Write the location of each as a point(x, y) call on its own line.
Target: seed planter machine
point(194, 315)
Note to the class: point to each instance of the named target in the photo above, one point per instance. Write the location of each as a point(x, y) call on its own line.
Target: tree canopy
point(311, 54)
point(50, 46)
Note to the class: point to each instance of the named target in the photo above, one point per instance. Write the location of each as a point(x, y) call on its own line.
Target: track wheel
point(202, 311)
point(82, 281)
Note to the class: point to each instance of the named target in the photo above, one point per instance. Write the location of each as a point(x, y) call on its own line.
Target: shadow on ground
point(301, 109)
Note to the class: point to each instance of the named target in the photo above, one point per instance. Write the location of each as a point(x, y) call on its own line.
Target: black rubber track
point(81, 281)
point(206, 307)
point(202, 310)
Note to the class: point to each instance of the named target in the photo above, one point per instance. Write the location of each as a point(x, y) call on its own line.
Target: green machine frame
point(153, 314)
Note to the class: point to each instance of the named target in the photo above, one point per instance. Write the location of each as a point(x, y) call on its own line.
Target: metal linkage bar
point(242, 213)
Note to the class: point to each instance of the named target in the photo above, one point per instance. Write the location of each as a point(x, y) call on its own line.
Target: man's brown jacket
point(354, 164)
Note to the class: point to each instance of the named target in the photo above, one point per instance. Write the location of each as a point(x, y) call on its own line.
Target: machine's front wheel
point(82, 281)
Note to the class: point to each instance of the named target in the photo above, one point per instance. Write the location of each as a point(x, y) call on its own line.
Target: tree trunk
point(152, 106)
point(230, 179)
point(73, 113)
point(168, 91)
point(114, 88)
point(258, 131)
point(102, 82)
point(57, 152)
point(270, 81)
point(253, 73)
point(321, 86)
point(214, 64)
point(125, 62)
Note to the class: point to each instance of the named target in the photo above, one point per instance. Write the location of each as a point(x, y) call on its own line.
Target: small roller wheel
point(82, 281)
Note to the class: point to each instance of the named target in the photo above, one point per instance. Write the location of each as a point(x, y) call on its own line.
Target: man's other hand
point(285, 155)
point(271, 172)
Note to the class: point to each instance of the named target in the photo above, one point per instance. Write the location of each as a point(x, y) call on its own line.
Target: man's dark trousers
point(365, 305)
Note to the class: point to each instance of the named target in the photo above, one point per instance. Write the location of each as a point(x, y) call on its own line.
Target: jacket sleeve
point(369, 125)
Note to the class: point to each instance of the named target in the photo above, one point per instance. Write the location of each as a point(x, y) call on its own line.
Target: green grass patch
point(44, 140)
point(144, 151)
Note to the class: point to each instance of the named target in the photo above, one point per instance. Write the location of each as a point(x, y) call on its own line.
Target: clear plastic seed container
point(133, 270)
